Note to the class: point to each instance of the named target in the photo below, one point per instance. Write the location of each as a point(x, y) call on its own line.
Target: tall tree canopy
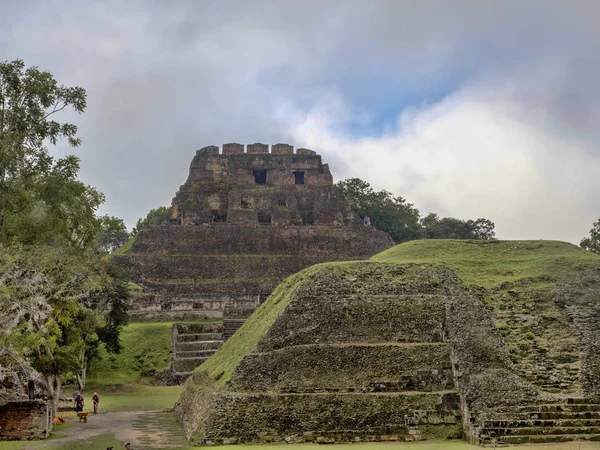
point(402, 221)
point(388, 213)
point(155, 216)
point(435, 227)
point(592, 242)
point(41, 199)
point(58, 298)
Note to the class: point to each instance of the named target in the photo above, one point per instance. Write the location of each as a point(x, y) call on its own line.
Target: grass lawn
point(489, 263)
point(135, 397)
point(146, 350)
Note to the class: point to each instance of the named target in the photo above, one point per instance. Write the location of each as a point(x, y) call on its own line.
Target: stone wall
point(579, 297)
point(356, 355)
point(24, 420)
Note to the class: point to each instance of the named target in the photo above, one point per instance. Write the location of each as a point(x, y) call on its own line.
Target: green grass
point(489, 263)
point(134, 397)
point(125, 248)
point(146, 349)
point(134, 287)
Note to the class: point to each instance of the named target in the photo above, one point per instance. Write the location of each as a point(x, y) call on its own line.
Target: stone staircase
point(571, 419)
point(192, 345)
point(234, 318)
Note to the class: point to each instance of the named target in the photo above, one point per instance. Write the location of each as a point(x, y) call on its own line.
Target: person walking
point(96, 401)
point(79, 403)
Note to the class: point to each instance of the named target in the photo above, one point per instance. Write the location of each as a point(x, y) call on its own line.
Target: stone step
point(486, 424)
point(552, 415)
point(580, 401)
point(194, 353)
point(197, 345)
point(537, 438)
point(190, 358)
point(530, 431)
point(559, 407)
point(193, 337)
point(187, 364)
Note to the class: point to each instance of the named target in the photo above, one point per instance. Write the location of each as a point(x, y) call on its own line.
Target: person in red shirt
point(79, 403)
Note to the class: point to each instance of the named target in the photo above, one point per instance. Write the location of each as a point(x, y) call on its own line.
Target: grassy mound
point(490, 263)
point(536, 264)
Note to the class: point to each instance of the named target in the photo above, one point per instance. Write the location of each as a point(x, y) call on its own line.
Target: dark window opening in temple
point(298, 177)
point(260, 176)
point(198, 305)
point(281, 202)
point(166, 306)
point(264, 217)
point(219, 216)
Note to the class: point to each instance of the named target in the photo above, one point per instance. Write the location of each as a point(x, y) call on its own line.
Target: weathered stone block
point(258, 148)
point(305, 151)
point(282, 149)
point(209, 150)
point(233, 149)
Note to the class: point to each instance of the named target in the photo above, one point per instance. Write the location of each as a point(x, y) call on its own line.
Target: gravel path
point(143, 429)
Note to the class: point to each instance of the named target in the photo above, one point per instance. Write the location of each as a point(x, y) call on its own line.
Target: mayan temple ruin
point(241, 223)
point(384, 350)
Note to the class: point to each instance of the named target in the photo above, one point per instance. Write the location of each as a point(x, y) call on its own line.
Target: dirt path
point(143, 429)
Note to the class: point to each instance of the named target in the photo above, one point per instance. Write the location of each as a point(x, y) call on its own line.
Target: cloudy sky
point(465, 108)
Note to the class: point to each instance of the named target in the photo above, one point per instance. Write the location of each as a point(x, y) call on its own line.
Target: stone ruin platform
point(245, 219)
point(366, 351)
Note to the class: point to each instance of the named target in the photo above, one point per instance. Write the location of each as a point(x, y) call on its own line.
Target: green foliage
point(592, 243)
point(402, 221)
point(111, 235)
point(41, 199)
point(154, 217)
point(388, 213)
point(44, 309)
point(451, 228)
point(114, 299)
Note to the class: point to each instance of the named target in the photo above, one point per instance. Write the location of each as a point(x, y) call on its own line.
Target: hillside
point(490, 263)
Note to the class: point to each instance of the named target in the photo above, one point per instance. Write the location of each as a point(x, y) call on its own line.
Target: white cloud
point(471, 157)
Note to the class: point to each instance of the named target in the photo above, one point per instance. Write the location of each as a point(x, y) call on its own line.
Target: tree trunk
point(53, 387)
point(81, 377)
point(82, 370)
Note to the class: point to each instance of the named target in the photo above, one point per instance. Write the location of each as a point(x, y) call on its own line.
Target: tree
point(154, 217)
point(592, 243)
point(451, 228)
point(40, 196)
point(393, 215)
point(111, 235)
point(43, 294)
point(57, 305)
